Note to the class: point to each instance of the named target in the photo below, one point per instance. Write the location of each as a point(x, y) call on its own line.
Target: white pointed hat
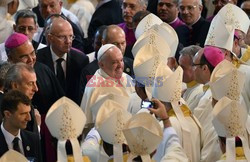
point(168, 84)
point(234, 15)
point(153, 38)
point(169, 35)
point(65, 121)
point(122, 100)
point(220, 35)
point(146, 23)
point(146, 62)
point(226, 80)
point(143, 134)
point(110, 121)
point(229, 118)
point(12, 156)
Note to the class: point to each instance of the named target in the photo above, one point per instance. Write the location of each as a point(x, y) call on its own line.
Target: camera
point(147, 104)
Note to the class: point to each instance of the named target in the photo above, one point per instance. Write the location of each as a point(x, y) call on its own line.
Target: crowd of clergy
point(124, 80)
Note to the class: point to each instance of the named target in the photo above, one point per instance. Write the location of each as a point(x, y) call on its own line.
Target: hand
point(160, 111)
point(38, 117)
point(172, 63)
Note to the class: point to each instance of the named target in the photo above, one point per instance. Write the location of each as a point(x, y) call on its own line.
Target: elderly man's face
point(129, 9)
point(24, 53)
point(167, 10)
point(26, 26)
point(185, 62)
point(112, 63)
point(190, 11)
point(27, 84)
point(60, 37)
point(48, 7)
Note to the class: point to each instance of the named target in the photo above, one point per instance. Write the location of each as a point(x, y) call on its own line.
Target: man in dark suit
point(64, 61)
point(49, 7)
point(15, 109)
point(196, 28)
point(107, 13)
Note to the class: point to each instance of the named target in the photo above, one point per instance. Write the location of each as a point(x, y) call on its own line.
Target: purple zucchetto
point(15, 40)
point(213, 55)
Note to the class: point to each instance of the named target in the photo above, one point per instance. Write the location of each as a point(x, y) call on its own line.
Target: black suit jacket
point(107, 14)
point(31, 145)
point(76, 61)
point(79, 42)
point(196, 36)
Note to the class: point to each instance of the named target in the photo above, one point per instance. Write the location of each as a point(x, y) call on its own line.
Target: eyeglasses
point(64, 37)
point(126, 5)
point(193, 64)
point(25, 57)
point(223, 2)
point(24, 28)
point(168, 5)
point(190, 8)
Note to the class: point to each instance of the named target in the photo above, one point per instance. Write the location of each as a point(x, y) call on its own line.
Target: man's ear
point(14, 85)
point(100, 64)
point(7, 114)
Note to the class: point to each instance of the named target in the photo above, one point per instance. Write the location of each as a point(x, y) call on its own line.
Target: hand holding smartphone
point(147, 104)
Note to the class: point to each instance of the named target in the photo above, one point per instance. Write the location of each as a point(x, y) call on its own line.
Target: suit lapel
point(26, 145)
point(3, 145)
point(48, 59)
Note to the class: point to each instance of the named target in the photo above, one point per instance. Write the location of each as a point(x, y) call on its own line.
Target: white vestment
point(210, 150)
point(102, 84)
point(246, 89)
point(191, 95)
point(170, 148)
point(6, 26)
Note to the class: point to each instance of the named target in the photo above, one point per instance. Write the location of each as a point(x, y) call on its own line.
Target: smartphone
point(147, 104)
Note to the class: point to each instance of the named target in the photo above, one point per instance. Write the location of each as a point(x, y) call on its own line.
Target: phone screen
point(147, 104)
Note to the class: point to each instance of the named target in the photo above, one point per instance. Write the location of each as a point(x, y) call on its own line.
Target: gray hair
point(143, 2)
point(4, 67)
point(174, 1)
point(199, 2)
point(25, 14)
point(14, 74)
point(190, 51)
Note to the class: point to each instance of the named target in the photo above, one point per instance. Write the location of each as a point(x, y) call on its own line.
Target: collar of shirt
point(9, 137)
point(55, 57)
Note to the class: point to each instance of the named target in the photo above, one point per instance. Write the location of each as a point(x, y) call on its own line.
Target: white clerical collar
point(8, 136)
point(55, 57)
point(173, 21)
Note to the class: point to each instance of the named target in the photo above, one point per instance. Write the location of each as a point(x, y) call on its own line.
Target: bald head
point(115, 35)
point(60, 36)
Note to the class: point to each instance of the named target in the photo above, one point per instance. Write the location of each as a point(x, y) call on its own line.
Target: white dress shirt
point(9, 139)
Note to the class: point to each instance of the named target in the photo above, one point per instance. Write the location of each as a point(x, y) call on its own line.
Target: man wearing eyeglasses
point(167, 11)
point(196, 28)
point(66, 62)
point(204, 63)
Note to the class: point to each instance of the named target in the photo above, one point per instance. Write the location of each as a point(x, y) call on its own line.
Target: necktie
point(60, 72)
point(16, 144)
